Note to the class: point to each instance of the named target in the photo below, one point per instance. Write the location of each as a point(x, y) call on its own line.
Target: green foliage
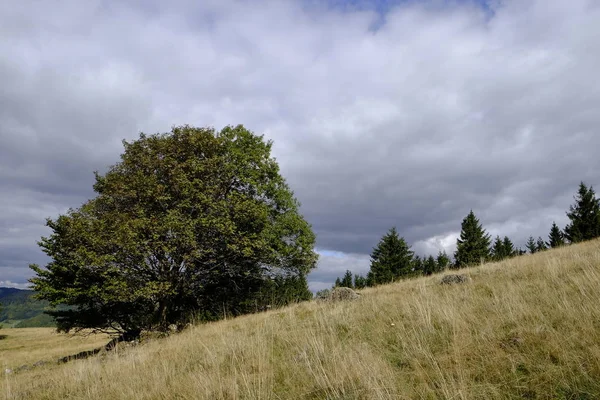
point(360, 282)
point(347, 280)
point(430, 266)
point(472, 247)
point(502, 248)
point(390, 259)
point(584, 216)
point(280, 291)
point(21, 305)
point(556, 237)
point(188, 222)
point(540, 245)
point(443, 261)
point(509, 247)
point(531, 245)
point(40, 320)
point(417, 265)
point(497, 250)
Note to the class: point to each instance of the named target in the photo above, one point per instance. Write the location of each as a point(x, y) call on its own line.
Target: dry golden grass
point(21, 346)
point(525, 328)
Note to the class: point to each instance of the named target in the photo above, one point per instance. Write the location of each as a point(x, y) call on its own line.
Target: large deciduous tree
point(193, 221)
point(473, 245)
point(584, 216)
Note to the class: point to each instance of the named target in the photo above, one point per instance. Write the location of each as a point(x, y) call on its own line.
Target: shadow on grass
point(3, 337)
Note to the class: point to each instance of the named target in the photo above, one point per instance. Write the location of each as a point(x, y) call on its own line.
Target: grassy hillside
point(525, 328)
point(20, 310)
point(28, 346)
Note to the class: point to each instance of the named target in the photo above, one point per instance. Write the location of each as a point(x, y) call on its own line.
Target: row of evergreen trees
point(393, 259)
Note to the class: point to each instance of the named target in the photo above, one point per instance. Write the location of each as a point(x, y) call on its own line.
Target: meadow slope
point(528, 328)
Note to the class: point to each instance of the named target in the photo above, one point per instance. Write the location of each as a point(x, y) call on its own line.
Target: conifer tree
point(360, 282)
point(531, 245)
point(540, 245)
point(497, 249)
point(390, 259)
point(584, 216)
point(429, 266)
point(556, 236)
point(337, 283)
point(347, 280)
point(417, 265)
point(502, 248)
point(509, 247)
point(442, 261)
point(473, 245)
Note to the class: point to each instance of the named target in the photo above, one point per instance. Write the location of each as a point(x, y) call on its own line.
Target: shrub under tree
point(193, 221)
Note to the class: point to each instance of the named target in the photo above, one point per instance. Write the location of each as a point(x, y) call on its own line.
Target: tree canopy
point(192, 221)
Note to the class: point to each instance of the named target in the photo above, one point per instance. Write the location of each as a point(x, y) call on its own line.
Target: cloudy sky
point(383, 113)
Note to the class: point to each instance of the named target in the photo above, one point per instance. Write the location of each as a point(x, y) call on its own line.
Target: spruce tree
point(473, 245)
point(540, 245)
point(509, 247)
point(417, 265)
point(390, 259)
point(442, 261)
point(497, 249)
point(429, 266)
point(337, 283)
point(347, 280)
point(360, 282)
point(556, 236)
point(502, 248)
point(584, 216)
point(531, 245)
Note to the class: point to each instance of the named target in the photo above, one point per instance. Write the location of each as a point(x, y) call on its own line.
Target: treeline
point(392, 259)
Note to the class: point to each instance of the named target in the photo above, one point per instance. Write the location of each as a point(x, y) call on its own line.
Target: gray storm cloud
point(439, 110)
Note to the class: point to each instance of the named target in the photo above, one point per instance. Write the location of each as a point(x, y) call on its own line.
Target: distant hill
point(20, 310)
